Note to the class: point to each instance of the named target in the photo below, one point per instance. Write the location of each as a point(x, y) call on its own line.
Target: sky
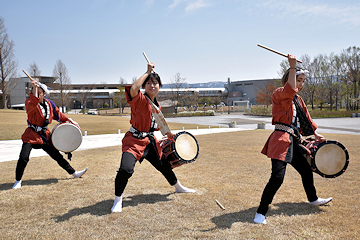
point(101, 41)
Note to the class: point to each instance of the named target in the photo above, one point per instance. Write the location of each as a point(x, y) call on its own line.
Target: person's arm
point(134, 90)
point(35, 87)
point(292, 72)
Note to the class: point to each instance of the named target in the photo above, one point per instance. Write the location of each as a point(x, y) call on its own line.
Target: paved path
point(10, 149)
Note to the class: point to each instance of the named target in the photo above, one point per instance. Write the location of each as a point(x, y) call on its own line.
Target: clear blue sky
point(203, 40)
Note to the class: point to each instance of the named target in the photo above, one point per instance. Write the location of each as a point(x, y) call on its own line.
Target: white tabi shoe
point(260, 219)
point(17, 185)
point(117, 207)
point(78, 174)
point(181, 189)
point(321, 201)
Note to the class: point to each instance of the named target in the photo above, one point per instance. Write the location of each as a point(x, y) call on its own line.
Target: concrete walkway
point(10, 149)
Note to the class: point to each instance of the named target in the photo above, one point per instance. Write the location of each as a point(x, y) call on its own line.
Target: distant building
point(101, 95)
point(244, 90)
point(21, 92)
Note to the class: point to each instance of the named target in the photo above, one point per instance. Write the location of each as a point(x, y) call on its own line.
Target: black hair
point(285, 77)
point(151, 76)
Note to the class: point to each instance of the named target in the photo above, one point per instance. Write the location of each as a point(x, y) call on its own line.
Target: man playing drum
point(291, 117)
point(140, 142)
point(41, 112)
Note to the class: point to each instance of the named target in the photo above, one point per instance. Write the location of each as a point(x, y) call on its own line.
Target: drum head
point(331, 159)
point(66, 137)
point(186, 146)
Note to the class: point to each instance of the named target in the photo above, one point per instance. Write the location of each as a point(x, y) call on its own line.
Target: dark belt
point(288, 129)
point(140, 135)
point(40, 130)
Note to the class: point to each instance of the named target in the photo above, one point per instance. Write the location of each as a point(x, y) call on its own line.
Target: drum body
point(66, 137)
point(329, 159)
point(181, 150)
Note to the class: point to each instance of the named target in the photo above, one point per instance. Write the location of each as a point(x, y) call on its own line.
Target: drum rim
point(177, 155)
point(313, 165)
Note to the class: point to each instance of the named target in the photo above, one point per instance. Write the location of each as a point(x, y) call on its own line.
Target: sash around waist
point(289, 129)
point(140, 135)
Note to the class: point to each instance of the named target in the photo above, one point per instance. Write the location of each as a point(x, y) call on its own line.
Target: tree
point(8, 64)
point(119, 98)
point(263, 96)
point(60, 74)
point(83, 97)
point(177, 84)
point(310, 89)
point(34, 70)
point(351, 57)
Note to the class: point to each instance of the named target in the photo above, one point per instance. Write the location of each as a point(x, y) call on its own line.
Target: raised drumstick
point(30, 77)
point(147, 59)
point(272, 50)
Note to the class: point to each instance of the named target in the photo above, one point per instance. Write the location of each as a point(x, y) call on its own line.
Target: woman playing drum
point(41, 112)
point(290, 117)
point(140, 142)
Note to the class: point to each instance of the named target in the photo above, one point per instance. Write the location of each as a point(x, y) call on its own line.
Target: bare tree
point(122, 81)
point(134, 79)
point(177, 84)
point(83, 97)
point(351, 56)
point(8, 64)
point(120, 98)
point(34, 70)
point(60, 74)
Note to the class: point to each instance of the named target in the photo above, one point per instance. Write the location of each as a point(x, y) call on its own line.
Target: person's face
point(300, 81)
point(152, 87)
point(41, 94)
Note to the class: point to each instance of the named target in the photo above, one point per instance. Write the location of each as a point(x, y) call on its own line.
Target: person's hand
point(150, 67)
point(319, 137)
point(75, 123)
point(34, 82)
point(170, 135)
point(292, 61)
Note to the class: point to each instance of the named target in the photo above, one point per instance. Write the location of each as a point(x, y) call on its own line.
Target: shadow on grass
point(103, 208)
point(247, 216)
point(6, 186)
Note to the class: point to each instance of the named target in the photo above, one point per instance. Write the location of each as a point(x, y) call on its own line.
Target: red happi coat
point(36, 117)
point(278, 143)
point(141, 118)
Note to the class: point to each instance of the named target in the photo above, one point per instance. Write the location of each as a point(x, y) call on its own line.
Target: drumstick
point(218, 203)
point(30, 77)
point(272, 50)
point(147, 59)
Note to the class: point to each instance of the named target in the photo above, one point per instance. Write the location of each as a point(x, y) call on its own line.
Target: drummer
point(41, 112)
point(140, 142)
point(291, 117)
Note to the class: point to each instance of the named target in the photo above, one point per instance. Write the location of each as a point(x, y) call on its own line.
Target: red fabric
point(36, 117)
point(141, 120)
point(282, 111)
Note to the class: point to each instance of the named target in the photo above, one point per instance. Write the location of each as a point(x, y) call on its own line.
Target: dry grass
point(13, 124)
point(230, 168)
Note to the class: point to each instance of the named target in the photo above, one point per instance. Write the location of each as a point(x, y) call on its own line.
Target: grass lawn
point(230, 169)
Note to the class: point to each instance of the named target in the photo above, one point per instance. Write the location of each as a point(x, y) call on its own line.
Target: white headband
point(301, 71)
point(43, 87)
